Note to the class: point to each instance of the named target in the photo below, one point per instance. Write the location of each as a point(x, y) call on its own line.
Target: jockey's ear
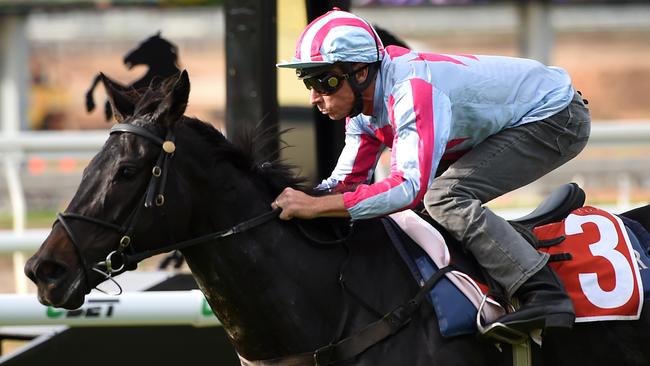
point(172, 108)
point(362, 74)
point(119, 99)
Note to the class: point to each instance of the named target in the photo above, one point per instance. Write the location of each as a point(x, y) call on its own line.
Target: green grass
point(35, 219)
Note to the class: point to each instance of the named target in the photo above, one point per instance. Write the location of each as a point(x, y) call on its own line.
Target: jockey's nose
point(314, 96)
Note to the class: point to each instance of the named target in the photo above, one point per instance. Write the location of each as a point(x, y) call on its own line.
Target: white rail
point(50, 141)
point(26, 241)
point(129, 309)
point(620, 132)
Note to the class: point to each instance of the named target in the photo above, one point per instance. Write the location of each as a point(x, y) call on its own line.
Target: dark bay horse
point(277, 290)
point(157, 53)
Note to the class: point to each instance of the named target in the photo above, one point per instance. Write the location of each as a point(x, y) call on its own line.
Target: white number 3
point(606, 248)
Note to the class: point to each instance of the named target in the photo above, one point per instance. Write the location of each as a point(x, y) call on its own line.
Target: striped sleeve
point(358, 159)
point(413, 157)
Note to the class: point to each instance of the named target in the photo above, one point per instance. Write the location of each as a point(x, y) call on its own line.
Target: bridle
point(153, 196)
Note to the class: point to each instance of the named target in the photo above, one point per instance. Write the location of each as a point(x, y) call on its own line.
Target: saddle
point(555, 207)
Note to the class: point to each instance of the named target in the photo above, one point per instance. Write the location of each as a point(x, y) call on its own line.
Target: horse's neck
point(266, 283)
point(163, 69)
point(160, 71)
point(269, 290)
point(220, 195)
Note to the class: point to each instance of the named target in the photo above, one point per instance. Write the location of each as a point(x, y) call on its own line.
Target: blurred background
point(51, 51)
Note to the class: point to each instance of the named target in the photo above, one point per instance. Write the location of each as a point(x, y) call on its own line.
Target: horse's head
point(154, 49)
point(120, 197)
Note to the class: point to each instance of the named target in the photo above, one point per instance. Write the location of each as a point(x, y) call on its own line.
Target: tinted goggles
point(326, 83)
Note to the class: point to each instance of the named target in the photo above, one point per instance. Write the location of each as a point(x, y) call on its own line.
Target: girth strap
point(363, 339)
point(375, 332)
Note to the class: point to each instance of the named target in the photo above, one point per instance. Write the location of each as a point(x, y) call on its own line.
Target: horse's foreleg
point(90, 102)
point(108, 111)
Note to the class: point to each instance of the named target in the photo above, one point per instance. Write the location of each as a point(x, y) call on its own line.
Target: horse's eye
point(126, 172)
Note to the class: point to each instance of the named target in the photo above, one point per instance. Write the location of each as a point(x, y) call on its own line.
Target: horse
point(161, 57)
point(284, 291)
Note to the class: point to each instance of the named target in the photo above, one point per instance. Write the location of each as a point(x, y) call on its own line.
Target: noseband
point(154, 195)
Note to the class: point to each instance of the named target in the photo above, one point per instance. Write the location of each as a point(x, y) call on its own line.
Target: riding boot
point(544, 304)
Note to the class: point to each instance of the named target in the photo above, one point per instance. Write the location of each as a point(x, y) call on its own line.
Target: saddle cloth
point(602, 276)
point(609, 259)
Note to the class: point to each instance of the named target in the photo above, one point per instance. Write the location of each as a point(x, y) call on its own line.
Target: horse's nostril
point(49, 271)
point(30, 273)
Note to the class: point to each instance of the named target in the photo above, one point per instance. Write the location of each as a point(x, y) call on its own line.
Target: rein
point(238, 228)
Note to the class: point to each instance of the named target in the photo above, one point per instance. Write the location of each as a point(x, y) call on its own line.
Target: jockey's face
point(331, 92)
point(336, 105)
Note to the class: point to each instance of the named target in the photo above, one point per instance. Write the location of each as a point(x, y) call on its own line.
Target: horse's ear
point(173, 106)
point(122, 105)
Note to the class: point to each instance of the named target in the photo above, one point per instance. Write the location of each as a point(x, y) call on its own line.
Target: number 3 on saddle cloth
point(604, 267)
point(606, 273)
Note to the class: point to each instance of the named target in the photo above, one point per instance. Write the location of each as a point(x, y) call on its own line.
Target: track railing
point(129, 309)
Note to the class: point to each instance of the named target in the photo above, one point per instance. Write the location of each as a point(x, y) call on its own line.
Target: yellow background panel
point(292, 19)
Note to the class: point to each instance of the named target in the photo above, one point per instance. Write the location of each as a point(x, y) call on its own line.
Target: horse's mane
point(246, 151)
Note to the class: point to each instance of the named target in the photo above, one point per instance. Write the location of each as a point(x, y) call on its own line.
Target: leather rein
point(118, 260)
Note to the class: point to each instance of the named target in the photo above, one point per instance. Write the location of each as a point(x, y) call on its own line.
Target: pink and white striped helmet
point(336, 36)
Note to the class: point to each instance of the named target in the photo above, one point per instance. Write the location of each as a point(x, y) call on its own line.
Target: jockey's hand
point(300, 205)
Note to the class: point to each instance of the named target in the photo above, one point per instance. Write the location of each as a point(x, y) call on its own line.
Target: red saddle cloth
point(602, 277)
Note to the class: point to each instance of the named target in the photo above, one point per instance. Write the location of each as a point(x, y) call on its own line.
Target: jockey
point(462, 129)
